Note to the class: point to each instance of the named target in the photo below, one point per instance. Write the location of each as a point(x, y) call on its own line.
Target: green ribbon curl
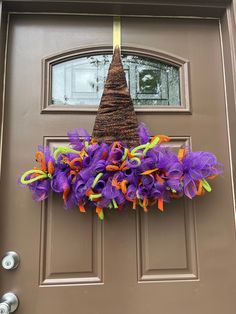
point(42, 175)
point(96, 179)
point(151, 145)
point(93, 196)
point(206, 185)
point(101, 215)
point(114, 203)
point(64, 150)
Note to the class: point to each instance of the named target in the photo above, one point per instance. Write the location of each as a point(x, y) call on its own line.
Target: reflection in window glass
point(81, 81)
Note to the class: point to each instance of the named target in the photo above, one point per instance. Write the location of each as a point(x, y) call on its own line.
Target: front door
point(179, 261)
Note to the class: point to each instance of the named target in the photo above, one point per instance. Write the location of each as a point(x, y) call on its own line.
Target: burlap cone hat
point(116, 119)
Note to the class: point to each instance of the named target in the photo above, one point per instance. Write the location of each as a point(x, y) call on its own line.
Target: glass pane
point(81, 81)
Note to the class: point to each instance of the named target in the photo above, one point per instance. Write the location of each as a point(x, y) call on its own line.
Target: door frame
point(222, 10)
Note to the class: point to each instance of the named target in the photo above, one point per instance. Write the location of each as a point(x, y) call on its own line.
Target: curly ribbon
point(92, 197)
point(114, 203)
point(72, 163)
point(153, 143)
point(123, 186)
point(125, 154)
point(163, 138)
point(181, 153)
point(101, 215)
point(200, 188)
point(160, 204)
point(40, 175)
point(206, 185)
point(50, 167)
point(112, 168)
point(96, 179)
point(145, 147)
point(81, 208)
point(140, 147)
point(137, 160)
point(115, 183)
point(66, 194)
point(40, 158)
point(64, 150)
point(145, 204)
point(159, 179)
point(99, 212)
point(122, 167)
point(150, 171)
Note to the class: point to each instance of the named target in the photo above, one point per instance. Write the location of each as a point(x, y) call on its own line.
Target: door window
point(80, 81)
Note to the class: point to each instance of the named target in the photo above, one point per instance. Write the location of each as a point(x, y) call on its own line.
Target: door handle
point(10, 261)
point(9, 303)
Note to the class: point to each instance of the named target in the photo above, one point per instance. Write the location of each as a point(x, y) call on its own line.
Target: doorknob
point(9, 303)
point(10, 261)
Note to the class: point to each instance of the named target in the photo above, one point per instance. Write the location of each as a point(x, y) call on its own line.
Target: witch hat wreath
point(121, 163)
point(116, 119)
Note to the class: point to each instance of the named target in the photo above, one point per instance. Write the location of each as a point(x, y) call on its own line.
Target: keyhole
point(2, 311)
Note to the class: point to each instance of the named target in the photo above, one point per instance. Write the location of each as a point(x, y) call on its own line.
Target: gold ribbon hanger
point(116, 32)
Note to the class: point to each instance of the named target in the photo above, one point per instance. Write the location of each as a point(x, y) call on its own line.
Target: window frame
point(179, 62)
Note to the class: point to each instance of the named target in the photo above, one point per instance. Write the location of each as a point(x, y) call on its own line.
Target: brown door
point(179, 261)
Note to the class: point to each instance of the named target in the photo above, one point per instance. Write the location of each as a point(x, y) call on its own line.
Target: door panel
point(179, 261)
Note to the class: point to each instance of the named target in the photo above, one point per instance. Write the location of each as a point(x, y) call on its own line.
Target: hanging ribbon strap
point(116, 32)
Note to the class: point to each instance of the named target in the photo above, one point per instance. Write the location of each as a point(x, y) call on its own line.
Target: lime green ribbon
point(41, 175)
point(151, 145)
point(125, 154)
point(94, 196)
point(101, 215)
point(206, 185)
point(136, 159)
point(64, 150)
point(145, 147)
point(133, 151)
point(140, 203)
point(96, 179)
point(114, 203)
